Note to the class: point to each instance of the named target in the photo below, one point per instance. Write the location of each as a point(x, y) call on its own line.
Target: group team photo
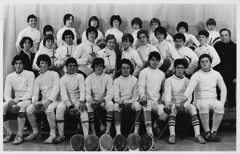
point(119, 77)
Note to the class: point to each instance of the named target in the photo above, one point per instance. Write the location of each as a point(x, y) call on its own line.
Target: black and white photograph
point(123, 76)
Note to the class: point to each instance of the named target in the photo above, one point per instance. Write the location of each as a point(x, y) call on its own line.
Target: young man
point(99, 93)
point(136, 25)
point(150, 84)
point(48, 83)
point(72, 88)
point(174, 89)
point(68, 21)
point(166, 49)
point(32, 32)
point(204, 48)
point(126, 93)
point(204, 83)
point(186, 53)
point(155, 23)
point(145, 49)
point(21, 82)
point(66, 51)
point(87, 51)
point(213, 34)
point(227, 51)
point(131, 54)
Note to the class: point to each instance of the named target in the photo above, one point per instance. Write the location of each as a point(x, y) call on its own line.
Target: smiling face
point(136, 26)
point(71, 68)
point(32, 22)
point(116, 23)
point(26, 45)
point(202, 39)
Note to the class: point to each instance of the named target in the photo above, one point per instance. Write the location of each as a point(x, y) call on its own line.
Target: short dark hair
point(44, 57)
point(179, 36)
point(204, 56)
point(109, 37)
point(161, 30)
point(92, 29)
point(97, 61)
point(93, 18)
point(225, 29)
point(154, 54)
point(31, 16)
point(47, 28)
point(127, 37)
point(18, 57)
point(182, 24)
point(142, 31)
point(66, 33)
point(47, 37)
point(24, 39)
point(71, 60)
point(115, 17)
point(128, 62)
point(180, 62)
point(67, 17)
point(155, 20)
point(137, 21)
point(203, 32)
point(211, 21)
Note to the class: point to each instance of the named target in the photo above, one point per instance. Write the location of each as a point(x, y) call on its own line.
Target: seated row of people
point(80, 98)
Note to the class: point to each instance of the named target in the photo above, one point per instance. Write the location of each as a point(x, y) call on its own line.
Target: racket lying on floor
point(77, 142)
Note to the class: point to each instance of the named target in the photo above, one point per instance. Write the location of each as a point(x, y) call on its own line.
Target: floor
point(226, 133)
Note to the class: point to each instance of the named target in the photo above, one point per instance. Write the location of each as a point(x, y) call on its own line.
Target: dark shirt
point(28, 62)
point(228, 56)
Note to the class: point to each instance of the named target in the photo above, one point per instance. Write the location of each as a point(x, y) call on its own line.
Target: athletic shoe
point(208, 137)
point(9, 137)
point(59, 139)
point(200, 139)
point(171, 139)
point(215, 137)
point(32, 136)
point(18, 139)
point(49, 140)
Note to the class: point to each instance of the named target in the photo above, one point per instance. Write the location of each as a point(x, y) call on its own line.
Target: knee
point(219, 108)
point(192, 109)
point(116, 107)
point(109, 106)
point(137, 106)
point(30, 109)
point(5, 107)
point(203, 108)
